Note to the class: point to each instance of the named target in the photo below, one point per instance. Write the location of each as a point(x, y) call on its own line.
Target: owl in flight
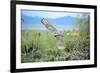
point(56, 33)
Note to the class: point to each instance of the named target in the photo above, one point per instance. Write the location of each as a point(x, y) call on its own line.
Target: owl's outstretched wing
point(46, 23)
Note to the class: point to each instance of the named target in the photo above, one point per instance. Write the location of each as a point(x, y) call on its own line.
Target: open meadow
point(44, 47)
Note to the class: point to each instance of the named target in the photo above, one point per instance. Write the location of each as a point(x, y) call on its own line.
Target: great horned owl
point(57, 34)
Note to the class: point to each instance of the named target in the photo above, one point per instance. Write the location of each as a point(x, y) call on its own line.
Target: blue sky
point(31, 20)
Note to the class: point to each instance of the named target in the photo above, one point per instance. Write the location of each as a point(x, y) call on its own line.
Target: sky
point(31, 20)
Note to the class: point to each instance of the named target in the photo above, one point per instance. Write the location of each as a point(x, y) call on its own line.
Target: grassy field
point(40, 46)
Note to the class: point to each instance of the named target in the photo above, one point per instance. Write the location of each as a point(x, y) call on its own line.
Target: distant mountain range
point(59, 21)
